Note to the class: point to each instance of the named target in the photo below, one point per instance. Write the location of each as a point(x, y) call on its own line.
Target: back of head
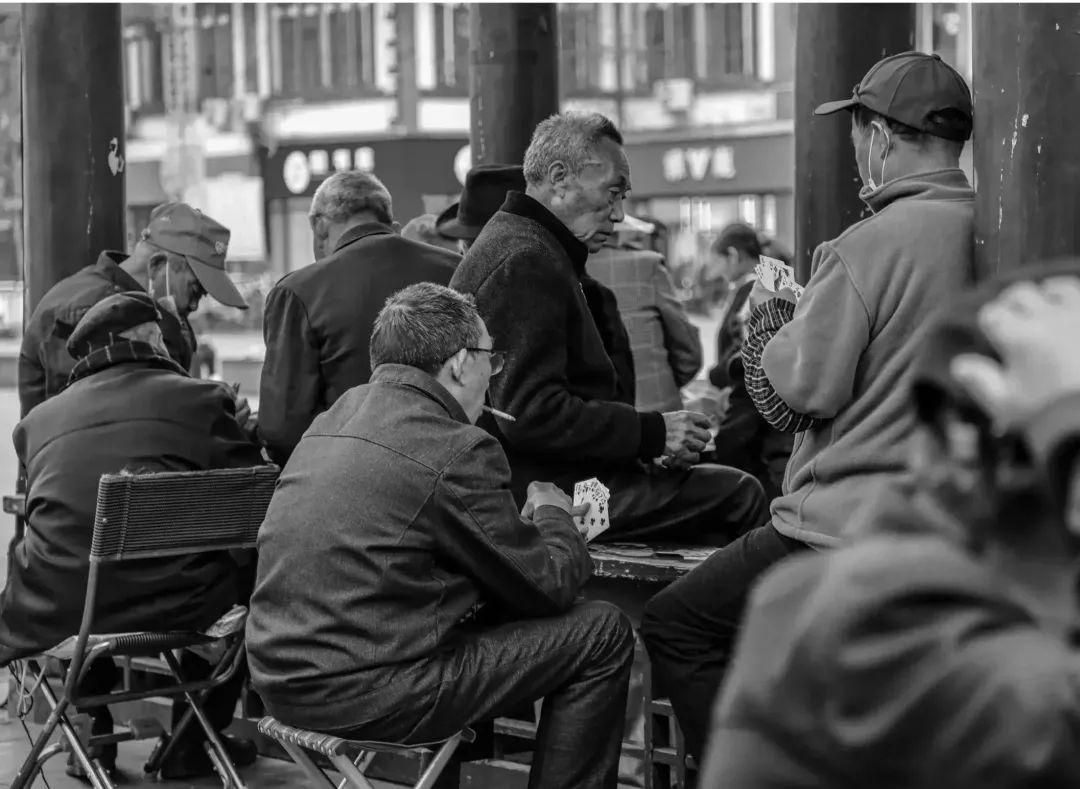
point(567, 137)
point(351, 195)
point(423, 325)
point(122, 316)
point(741, 237)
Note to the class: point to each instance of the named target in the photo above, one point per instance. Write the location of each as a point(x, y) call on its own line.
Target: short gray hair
point(423, 325)
point(344, 195)
point(568, 137)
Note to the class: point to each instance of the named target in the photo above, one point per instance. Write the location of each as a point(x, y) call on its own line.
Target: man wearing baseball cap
point(833, 368)
point(179, 258)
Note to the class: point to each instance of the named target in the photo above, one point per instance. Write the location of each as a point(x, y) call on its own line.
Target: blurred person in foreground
point(834, 368)
point(318, 319)
point(129, 406)
point(401, 595)
point(937, 647)
point(422, 229)
point(665, 345)
point(178, 259)
point(559, 385)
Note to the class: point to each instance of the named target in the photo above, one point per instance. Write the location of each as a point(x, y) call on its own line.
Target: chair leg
point(351, 772)
point(362, 761)
point(231, 777)
point(307, 764)
point(33, 761)
point(438, 763)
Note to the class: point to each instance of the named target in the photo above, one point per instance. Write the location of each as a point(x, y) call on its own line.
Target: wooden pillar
point(1027, 145)
point(73, 140)
point(835, 45)
point(513, 77)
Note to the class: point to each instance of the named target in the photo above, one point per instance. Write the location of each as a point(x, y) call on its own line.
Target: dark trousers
point(104, 675)
point(690, 627)
point(578, 661)
point(705, 505)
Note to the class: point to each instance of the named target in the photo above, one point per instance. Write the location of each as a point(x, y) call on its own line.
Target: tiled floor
point(264, 774)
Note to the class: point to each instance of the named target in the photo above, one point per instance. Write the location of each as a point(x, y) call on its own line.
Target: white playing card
point(776, 275)
point(596, 521)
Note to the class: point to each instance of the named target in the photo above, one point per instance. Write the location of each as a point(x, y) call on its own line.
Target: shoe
point(105, 755)
point(190, 759)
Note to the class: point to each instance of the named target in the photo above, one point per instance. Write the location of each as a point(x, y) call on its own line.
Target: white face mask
point(869, 155)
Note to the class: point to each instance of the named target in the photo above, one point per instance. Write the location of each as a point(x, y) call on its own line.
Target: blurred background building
point(243, 109)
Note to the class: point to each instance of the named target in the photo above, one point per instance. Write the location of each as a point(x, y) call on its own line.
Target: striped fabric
point(171, 513)
point(765, 321)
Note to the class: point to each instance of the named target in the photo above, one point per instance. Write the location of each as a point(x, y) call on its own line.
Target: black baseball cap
point(908, 88)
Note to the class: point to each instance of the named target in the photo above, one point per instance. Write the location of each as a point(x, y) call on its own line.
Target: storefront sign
point(414, 164)
point(699, 163)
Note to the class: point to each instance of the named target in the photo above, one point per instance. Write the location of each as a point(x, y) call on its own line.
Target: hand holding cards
point(595, 522)
point(775, 276)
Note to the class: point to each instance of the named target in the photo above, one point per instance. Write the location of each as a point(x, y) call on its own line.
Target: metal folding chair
point(149, 516)
point(352, 758)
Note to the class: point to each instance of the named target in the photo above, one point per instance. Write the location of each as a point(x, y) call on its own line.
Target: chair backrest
point(179, 512)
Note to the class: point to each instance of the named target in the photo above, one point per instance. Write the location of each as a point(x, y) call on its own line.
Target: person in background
point(835, 368)
point(942, 633)
point(179, 258)
point(129, 406)
point(665, 345)
point(735, 253)
point(401, 595)
point(422, 230)
point(559, 385)
point(318, 319)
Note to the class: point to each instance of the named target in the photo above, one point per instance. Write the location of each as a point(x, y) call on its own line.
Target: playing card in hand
point(775, 275)
point(596, 521)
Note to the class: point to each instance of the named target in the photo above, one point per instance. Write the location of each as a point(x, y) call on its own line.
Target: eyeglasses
point(498, 359)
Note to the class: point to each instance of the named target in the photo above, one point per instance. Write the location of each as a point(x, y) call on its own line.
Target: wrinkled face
point(591, 202)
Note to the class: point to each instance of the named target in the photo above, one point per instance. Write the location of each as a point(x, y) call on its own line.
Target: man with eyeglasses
point(401, 595)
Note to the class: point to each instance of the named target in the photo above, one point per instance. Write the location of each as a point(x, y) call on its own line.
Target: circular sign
point(463, 163)
point(295, 172)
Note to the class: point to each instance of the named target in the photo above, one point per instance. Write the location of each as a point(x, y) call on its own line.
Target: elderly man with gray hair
point(559, 385)
point(318, 319)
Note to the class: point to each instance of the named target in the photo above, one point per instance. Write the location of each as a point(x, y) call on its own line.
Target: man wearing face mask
point(400, 593)
point(179, 258)
point(834, 368)
point(526, 269)
point(937, 647)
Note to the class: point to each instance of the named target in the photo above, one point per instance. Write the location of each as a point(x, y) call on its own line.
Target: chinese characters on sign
point(697, 164)
point(300, 166)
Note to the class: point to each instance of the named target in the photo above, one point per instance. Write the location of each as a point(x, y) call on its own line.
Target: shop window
point(323, 48)
point(945, 29)
point(728, 37)
point(213, 25)
point(451, 32)
point(251, 48)
point(142, 67)
point(352, 46)
point(580, 50)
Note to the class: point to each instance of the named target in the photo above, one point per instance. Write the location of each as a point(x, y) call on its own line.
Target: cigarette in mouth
point(500, 414)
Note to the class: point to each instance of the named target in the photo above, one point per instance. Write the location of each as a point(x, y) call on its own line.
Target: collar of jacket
point(520, 204)
point(108, 265)
point(362, 230)
point(949, 184)
point(404, 375)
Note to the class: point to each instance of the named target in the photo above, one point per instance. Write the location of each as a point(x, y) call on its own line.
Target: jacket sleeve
point(1053, 435)
point(31, 375)
point(529, 568)
point(681, 337)
point(289, 391)
point(765, 321)
point(525, 306)
point(811, 360)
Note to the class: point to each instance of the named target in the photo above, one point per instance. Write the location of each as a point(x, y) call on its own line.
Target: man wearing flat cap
point(834, 367)
point(128, 405)
point(179, 258)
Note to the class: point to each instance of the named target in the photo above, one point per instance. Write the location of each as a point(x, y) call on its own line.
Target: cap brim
point(217, 284)
point(829, 107)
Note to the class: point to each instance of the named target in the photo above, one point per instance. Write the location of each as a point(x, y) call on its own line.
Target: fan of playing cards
point(776, 275)
point(595, 521)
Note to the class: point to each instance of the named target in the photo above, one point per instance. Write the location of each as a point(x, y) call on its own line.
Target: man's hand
point(540, 494)
point(759, 294)
point(687, 433)
point(1034, 328)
